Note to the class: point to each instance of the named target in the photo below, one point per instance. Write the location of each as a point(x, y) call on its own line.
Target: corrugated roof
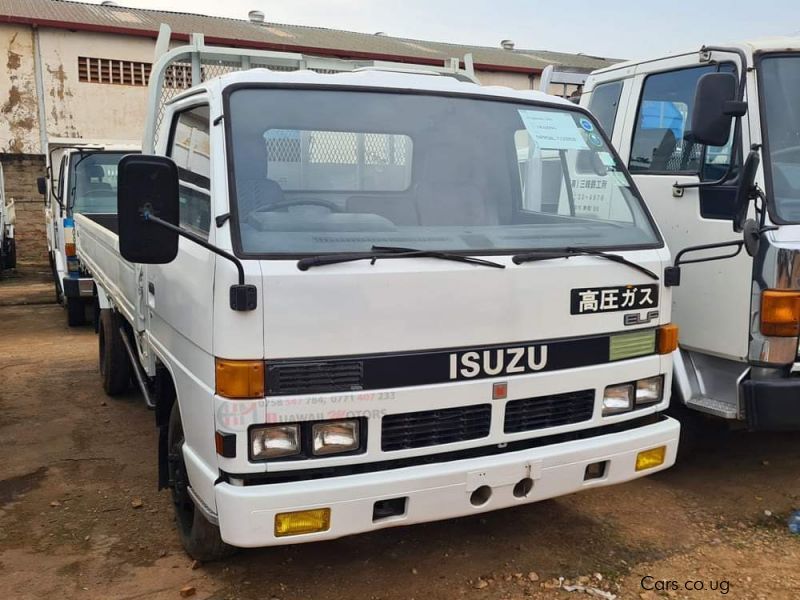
point(276, 36)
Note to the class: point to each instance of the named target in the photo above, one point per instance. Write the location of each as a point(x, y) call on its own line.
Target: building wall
point(19, 121)
point(21, 171)
point(517, 81)
point(91, 110)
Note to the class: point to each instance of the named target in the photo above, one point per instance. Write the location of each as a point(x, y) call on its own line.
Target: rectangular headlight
point(274, 441)
point(332, 437)
point(650, 390)
point(618, 399)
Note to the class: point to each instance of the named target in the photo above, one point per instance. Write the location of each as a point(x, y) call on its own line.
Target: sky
point(610, 28)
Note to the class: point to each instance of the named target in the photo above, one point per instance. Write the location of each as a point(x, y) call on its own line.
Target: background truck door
point(712, 305)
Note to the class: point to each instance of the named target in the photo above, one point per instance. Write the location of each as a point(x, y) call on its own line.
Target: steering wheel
point(96, 194)
point(331, 206)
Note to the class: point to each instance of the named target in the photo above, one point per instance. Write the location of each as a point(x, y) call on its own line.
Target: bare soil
point(80, 516)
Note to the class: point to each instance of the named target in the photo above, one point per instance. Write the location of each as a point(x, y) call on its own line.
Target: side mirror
point(745, 189)
point(41, 185)
point(147, 186)
point(715, 106)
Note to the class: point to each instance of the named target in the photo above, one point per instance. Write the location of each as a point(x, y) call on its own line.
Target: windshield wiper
point(304, 264)
point(567, 252)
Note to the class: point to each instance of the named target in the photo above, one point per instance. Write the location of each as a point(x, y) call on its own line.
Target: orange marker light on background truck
point(239, 379)
point(667, 338)
point(780, 313)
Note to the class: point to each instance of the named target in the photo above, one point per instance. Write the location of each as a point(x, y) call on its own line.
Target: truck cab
point(8, 248)
point(373, 297)
point(81, 178)
point(739, 317)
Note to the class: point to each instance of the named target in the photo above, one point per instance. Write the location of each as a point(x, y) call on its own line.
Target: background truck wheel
point(76, 312)
point(10, 258)
point(114, 366)
point(56, 284)
point(200, 538)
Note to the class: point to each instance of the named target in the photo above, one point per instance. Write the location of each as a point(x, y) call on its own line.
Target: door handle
point(151, 287)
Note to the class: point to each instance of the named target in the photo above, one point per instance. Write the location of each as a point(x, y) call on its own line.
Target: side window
point(604, 103)
point(191, 150)
point(662, 141)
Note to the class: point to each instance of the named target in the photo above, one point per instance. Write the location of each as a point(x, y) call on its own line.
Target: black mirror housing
point(41, 185)
point(745, 190)
point(715, 106)
point(147, 186)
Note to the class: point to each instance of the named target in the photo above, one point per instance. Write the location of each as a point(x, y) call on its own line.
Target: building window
point(119, 72)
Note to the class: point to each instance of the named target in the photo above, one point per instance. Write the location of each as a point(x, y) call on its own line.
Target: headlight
point(274, 441)
point(618, 399)
point(334, 436)
point(650, 390)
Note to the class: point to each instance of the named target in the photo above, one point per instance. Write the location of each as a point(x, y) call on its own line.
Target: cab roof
point(769, 44)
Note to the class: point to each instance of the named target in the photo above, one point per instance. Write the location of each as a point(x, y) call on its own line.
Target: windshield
point(339, 171)
point(779, 77)
point(94, 182)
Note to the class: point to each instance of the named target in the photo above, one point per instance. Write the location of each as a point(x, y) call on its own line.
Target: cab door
point(712, 304)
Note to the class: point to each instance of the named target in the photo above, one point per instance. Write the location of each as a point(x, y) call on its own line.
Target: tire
point(115, 369)
point(200, 538)
point(56, 284)
point(76, 312)
point(11, 254)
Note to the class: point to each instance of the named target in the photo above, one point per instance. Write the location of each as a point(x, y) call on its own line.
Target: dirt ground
point(80, 516)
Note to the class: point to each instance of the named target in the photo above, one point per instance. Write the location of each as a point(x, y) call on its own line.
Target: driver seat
point(253, 194)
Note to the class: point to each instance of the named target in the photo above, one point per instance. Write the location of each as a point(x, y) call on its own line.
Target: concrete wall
point(91, 110)
point(21, 171)
point(19, 121)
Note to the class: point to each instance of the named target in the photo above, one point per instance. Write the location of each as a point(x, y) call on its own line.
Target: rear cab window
point(604, 103)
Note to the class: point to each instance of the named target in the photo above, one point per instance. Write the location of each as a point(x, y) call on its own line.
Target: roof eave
point(256, 45)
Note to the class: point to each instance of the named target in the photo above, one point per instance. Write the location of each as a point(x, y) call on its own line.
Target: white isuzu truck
point(81, 177)
point(8, 245)
point(373, 298)
point(712, 140)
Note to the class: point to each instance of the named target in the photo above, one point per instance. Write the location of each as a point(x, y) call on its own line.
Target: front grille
point(433, 427)
point(317, 377)
point(548, 411)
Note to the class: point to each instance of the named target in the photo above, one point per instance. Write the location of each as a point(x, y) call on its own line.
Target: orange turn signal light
point(667, 338)
point(239, 378)
point(780, 313)
point(69, 249)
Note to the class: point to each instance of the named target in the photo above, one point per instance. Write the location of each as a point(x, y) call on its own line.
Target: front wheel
point(200, 538)
point(115, 369)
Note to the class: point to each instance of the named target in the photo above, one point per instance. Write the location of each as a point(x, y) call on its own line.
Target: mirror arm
point(672, 275)
point(243, 297)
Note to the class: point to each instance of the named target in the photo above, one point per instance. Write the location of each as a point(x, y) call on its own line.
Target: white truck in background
point(81, 177)
point(706, 134)
point(353, 306)
point(8, 217)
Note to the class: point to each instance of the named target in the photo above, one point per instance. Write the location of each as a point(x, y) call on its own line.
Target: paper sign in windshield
point(553, 130)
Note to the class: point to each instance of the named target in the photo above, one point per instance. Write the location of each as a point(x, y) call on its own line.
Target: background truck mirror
point(715, 106)
point(148, 187)
point(746, 190)
point(41, 185)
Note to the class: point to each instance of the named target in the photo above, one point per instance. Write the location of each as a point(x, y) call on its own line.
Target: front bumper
point(246, 514)
point(78, 287)
point(772, 404)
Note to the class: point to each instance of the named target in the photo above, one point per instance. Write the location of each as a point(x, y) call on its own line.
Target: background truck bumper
point(78, 287)
point(433, 492)
point(772, 404)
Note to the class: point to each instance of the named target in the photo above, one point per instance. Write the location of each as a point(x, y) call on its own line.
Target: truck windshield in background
point(779, 78)
point(340, 171)
point(94, 182)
